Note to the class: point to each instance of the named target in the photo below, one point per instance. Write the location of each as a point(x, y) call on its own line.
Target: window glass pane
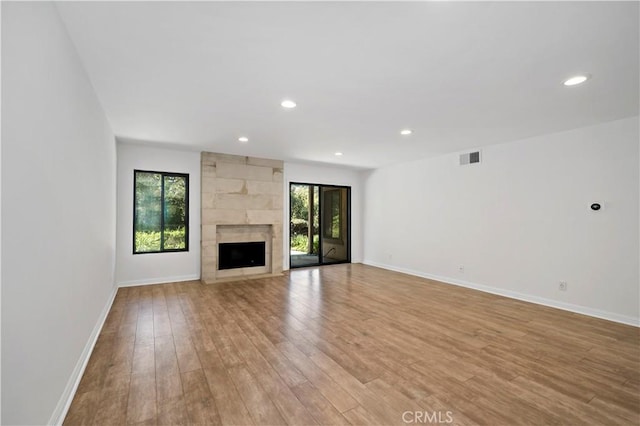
point(331, 211)
point(175, 212)
point(335, 214)
point(148, 221)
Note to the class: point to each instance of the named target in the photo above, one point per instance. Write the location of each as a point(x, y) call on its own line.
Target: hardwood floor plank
point(116, 382)
point(360, 416)
point(198, 399)
point(231, 408)
point(280, 394)
point(227, 351)
point(83, 409)
point(451, 413)
point(168, 387)
point(555, 400)
point(290, 408)
point(210, 359)
point(144, 330)
point(493, 393)
point(262, 409)
point(166, 359)
point(461, 408)
point(121, 355)
point(318, 406)
point(202, 340)
point(338, 396)
point(161, 324)
point(186, 353)
point(96, 371)
point(173, 411)
point(144, 359)
point(285, 369)
point(603, 405)
point(393, 398)
point(375, 406)
point(142, 399)
point(352, 344)
point(112, 408)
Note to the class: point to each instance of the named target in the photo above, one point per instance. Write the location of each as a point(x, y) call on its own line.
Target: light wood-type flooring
point(353, 344)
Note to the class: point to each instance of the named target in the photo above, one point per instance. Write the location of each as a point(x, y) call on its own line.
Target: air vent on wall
point(470, 158)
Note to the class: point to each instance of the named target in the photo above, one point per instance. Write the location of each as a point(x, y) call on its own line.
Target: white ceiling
point(461, 75)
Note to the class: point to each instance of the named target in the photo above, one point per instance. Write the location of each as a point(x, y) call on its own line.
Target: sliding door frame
point(321, 225)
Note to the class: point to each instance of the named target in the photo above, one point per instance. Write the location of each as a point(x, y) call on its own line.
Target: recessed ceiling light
point(287, 103)
point(243, 139)
point(338, 154)
point(406, 132)
point(577, 79)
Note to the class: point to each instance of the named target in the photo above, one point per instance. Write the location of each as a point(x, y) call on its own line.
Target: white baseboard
point(72, 385)
point(163, 280)
point(592, 312)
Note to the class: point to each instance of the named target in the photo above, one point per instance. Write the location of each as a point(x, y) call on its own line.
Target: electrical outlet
point(461, 269)
point(562, 286)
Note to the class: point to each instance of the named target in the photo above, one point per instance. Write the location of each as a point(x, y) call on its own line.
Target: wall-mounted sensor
point(595, 207)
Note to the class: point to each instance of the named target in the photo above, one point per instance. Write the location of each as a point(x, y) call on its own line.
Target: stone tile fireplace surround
point(242, 201)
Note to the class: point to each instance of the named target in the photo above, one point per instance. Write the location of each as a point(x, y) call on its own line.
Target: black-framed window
point(160, 212)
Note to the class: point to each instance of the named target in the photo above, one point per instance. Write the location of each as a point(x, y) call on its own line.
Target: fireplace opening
point(241, 255)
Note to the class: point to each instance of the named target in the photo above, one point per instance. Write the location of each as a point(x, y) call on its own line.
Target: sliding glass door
point(334, 214)
point(304, 214)
point(319, 224)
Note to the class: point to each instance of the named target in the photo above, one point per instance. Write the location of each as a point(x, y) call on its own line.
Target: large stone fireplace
point(242, 204)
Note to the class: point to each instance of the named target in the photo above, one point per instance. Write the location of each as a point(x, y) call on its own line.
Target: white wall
point(520, 221)
point(58, 218)
point(305, 173)
point(155, 268)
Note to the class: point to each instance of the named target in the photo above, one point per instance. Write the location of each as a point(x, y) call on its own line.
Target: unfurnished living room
point(320, 213)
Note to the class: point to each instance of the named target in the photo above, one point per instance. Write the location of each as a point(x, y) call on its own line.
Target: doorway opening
point(320, 224)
